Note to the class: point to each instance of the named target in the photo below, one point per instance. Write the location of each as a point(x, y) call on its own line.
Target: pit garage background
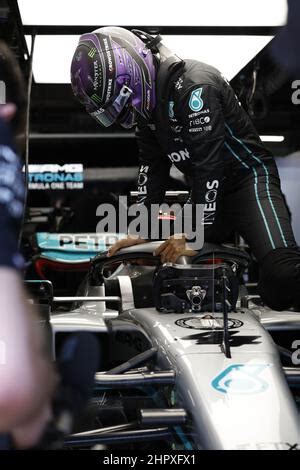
point(188, 353)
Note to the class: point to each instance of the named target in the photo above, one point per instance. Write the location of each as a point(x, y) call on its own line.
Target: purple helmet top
point(113, 75)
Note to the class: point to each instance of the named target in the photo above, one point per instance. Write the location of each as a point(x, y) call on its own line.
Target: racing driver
point(187, 114)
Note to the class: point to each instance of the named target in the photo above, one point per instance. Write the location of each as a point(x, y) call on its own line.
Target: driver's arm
point(152, 181)
point(204, 136)
point(154, 168)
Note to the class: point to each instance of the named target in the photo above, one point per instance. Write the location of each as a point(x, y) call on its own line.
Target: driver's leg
point(279, 284)
point(259, 213)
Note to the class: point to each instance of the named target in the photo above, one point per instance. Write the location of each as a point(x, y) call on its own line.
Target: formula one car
point(189, 359)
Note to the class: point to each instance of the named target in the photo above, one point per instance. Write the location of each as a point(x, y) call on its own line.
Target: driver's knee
point(279, 283)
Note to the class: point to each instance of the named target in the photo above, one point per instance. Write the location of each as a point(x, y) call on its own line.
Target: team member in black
point(27, 377)
point(188, 115)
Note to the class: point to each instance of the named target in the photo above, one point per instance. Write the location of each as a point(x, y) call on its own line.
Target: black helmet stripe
point(110, 67)
point(135, 56)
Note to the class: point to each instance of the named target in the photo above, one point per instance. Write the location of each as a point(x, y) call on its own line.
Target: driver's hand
point(124, 243)
point(172, 249)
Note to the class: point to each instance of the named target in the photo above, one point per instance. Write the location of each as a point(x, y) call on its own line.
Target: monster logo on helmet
point(113, 76)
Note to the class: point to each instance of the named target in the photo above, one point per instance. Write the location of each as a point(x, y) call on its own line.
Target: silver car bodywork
point(242, 402)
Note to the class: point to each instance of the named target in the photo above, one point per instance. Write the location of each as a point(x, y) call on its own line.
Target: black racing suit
point(200, 127)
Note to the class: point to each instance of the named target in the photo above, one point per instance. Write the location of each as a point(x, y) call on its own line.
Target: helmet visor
point(110, 113)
